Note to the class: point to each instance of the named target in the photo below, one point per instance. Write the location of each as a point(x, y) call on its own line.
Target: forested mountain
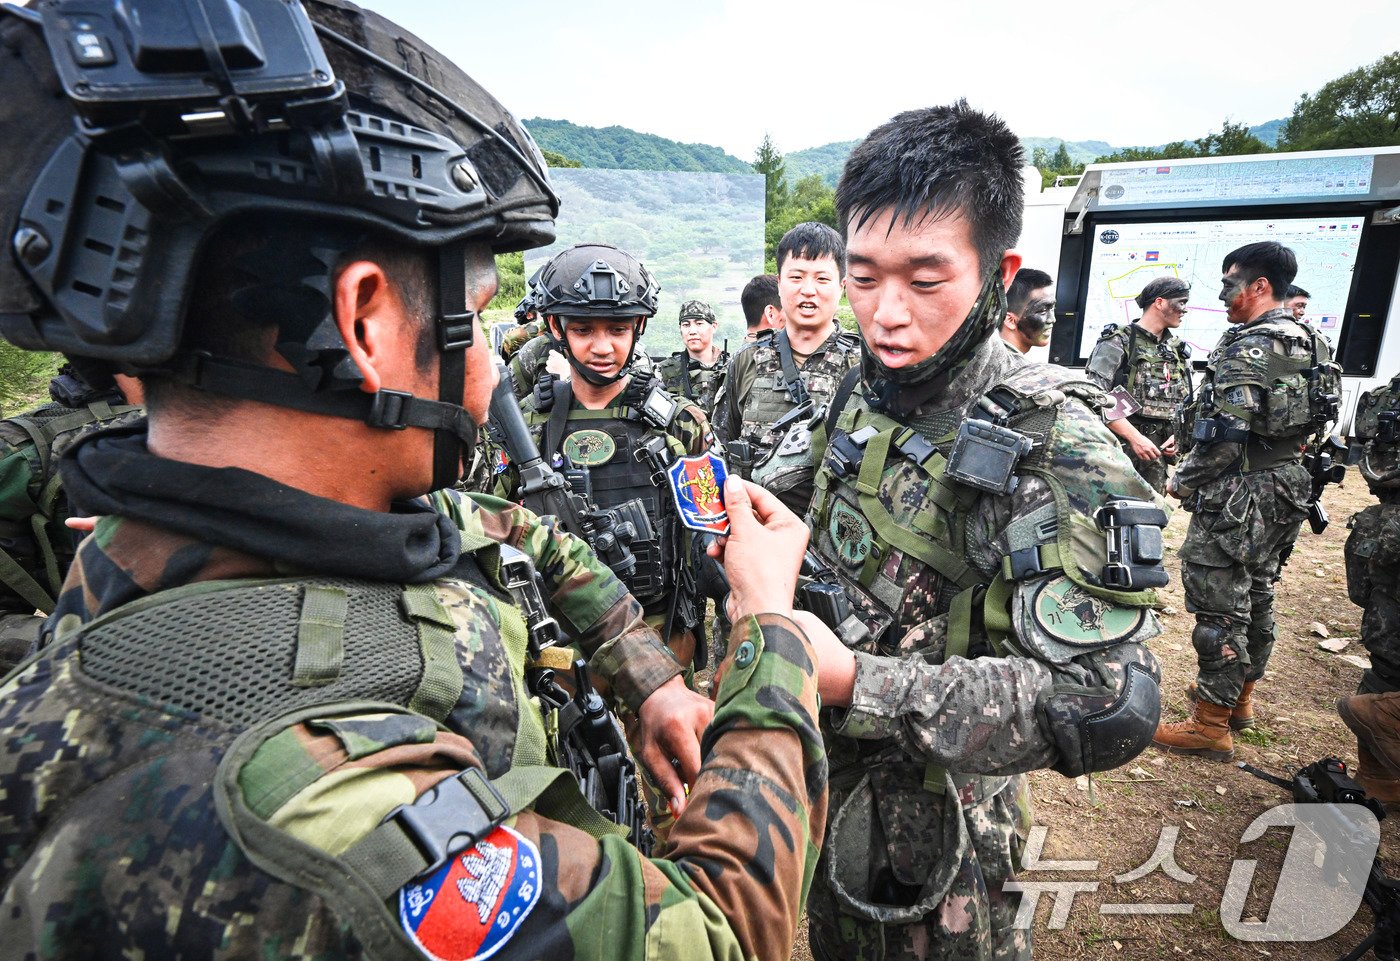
point(620, 148)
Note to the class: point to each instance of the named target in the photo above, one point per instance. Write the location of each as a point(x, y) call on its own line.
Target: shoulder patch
point(1068, 613)
point(472, 906)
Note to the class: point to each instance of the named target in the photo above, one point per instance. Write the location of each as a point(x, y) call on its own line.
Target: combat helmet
point(596, 281)
point(151, 124)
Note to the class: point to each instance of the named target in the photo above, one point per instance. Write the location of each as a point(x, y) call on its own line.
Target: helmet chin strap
point(588, 373)
point(456, 326)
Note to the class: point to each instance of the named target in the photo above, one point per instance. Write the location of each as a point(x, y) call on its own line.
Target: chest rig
point(1377, 425)
point(1156, 373)
point(780, 387)
point(600, 448)
point(892, 507)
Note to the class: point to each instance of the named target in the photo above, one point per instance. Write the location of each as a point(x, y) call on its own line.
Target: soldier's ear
point(1010, 263)
point(370, 317)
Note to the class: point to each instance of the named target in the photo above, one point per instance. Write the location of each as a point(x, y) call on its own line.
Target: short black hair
point(937, 162)
point(1295, 291)
point(1268, 259)
point(813, 241)
point(1026, 280)
point(236, 306)
point(759, 293)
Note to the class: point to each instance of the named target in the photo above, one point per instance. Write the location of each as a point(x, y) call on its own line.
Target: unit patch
point(697, 484)
point(1069, 613)
point(472, 905)
point(851, 533)
point(589, 448)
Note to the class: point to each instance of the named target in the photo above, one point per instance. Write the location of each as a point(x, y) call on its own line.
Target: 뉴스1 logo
point(1108, 237)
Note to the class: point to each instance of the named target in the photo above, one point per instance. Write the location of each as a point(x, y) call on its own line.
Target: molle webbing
point(238, 652)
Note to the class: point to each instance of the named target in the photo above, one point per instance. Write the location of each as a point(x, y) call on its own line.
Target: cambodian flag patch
point(697, 483)
point(472, 905)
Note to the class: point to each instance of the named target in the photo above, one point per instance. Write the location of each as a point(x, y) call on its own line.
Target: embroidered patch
point(697, 484)
point(1069, 613)
point(502, 462)
point(589, 448)
point(851, 533)
point(472, 905)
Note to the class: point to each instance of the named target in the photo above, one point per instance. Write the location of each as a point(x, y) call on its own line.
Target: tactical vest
point(1299, 386)
point(183, 708)
point(606, 442)
point(1156, 374)
point(691, 379)
point(51, 429)
point(770, 399)
point(1377, 425)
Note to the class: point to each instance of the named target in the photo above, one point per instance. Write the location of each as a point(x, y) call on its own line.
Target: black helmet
point(527, 309)
point(596, 281)
point(148, 125)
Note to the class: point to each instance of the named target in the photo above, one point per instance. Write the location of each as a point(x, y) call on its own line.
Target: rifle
point(1326, 463)
point(549, 492)
point(820, 592)
point(1327, 782)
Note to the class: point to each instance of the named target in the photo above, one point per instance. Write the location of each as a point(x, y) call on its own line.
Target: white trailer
point(1123, 224)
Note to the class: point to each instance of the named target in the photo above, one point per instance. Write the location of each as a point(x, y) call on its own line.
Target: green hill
point(828, 159)
point(618, 148)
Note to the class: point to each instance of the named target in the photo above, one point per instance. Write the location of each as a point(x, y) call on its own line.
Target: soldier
point(776, 391)
point(35, 546)
point(763, 308)
point(1373, 581)
point(966, 502)
point(1030, 311)
point(694, 373)
point(1144, 360)
point(298, 724)
point(1296, 300)
point(1268, 384)
point(597, 300)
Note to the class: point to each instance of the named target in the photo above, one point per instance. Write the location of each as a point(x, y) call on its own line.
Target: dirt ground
point(1117, 817)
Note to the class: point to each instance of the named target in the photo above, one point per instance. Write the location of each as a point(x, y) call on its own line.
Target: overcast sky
point(814, 71)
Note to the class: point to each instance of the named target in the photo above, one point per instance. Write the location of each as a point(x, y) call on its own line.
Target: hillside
point(620, 148)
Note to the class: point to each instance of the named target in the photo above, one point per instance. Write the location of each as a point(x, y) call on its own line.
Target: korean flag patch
point(472, 905)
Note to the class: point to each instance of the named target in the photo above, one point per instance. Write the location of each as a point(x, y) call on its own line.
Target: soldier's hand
point(1144, 449)
point(673, 719)
point(762, 552)
point(836, 665)
point(1169, 448)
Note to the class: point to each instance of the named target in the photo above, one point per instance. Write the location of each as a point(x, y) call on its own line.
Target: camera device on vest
point(1133, 529)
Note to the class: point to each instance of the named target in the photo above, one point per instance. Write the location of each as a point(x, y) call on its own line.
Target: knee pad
point(1208, 637)
point(1094, 736)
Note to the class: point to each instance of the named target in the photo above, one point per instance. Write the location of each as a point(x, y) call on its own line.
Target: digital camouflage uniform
point(1248, 493)
point(754, 396)
point(1373, 547)
point(208, 779)
point(528, 361)
point(992, 638)
point(35, 546)
point(520, 335)
point(687, 377)
point(1156, 374)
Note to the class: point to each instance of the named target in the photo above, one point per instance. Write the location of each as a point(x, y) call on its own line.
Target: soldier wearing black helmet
point(1148, 363)
point(299, 725)
point(597, 300)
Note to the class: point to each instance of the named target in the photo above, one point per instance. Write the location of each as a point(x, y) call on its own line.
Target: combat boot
point(1206, 733)
point(1377, 780)
point(1242, 717)
point(1375, 720)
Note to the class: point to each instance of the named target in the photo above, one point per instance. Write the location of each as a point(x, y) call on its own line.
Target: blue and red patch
point(697, 484)
point(472, 905)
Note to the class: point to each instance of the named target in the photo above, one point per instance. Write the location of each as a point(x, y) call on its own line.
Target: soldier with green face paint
point(284, 709)
point(695, 371)
point(997, 550)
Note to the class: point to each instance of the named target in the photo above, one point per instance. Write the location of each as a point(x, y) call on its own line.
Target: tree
point(1060, 162)
point(558, 160)
point(1234, 140)
point(768, 160)
point(1040, 159)
point(1358, 109)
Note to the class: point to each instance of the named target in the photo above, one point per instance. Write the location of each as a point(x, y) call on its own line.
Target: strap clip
point(455, 331)
point(451, 816)
point(386, 409)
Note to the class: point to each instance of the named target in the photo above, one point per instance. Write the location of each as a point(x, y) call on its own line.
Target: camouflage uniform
point(528, 362)
point(754, 396)
point(988, 618)
point(1156, 374)
point(185, 789)
point(1248, 493)
point(520, 335)
point(35, 546)
point(1373, 547)
point(687, 377)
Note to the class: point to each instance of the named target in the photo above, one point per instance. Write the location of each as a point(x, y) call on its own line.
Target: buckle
point(455, 331)
point(1025, 563)
point(451, 816)
point(386, 409)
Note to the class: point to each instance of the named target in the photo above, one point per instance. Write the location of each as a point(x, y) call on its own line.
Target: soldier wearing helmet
point(597, 300)
point(278, 690)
